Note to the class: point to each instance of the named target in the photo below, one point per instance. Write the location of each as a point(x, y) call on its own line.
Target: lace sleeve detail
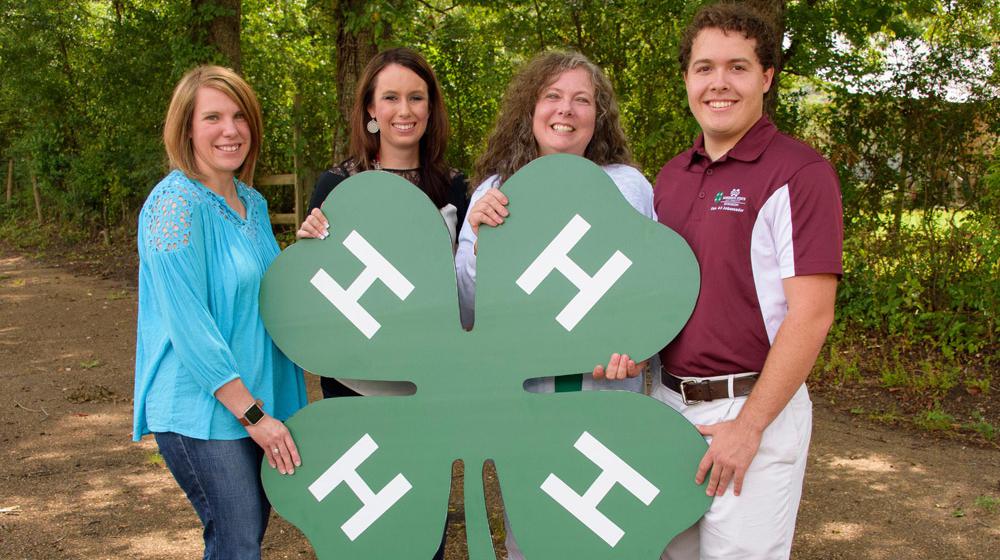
point(166, 217)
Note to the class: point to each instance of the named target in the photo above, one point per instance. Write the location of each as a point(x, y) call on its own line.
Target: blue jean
point(222, 480)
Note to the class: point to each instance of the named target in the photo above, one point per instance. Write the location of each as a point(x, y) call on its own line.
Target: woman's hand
point(490, 210)
point(276, 441)
point(315, 226)
point(620, 366)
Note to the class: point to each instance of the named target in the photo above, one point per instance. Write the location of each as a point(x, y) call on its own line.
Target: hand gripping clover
point(573, 275)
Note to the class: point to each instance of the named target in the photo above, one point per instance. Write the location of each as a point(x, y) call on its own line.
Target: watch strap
point(253, 414)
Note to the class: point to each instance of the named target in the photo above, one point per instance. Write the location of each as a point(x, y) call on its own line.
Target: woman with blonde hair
point(210, 384)
point(558, 103)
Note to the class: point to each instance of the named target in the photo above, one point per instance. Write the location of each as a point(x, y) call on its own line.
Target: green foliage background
point(85, 84)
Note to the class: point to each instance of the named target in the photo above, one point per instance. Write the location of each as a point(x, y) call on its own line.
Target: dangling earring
point(372, 126)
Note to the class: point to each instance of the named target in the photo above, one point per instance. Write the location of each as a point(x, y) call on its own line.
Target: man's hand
point(620, 366)
point(734, 445)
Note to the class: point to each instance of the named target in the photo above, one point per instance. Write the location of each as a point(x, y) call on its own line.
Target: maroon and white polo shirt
point(767, 210)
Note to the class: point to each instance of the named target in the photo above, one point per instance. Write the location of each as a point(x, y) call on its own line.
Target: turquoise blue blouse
point(199, 327)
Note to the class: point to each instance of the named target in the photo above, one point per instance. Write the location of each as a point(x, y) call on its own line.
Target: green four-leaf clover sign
point(573, 275)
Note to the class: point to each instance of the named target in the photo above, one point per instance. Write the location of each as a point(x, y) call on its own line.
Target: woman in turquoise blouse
point(210, 383)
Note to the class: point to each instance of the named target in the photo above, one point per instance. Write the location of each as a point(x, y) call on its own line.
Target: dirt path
point(73, 485)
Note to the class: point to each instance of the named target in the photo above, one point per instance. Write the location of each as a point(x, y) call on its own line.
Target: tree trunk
point(356, 45)
point(774, 11)
point(10, 179)
point(217, 24)
point(37, 194)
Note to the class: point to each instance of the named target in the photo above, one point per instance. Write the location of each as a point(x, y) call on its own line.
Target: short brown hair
point(731, 17)
point(512, 145)
point(177, 128)
point(433, 144)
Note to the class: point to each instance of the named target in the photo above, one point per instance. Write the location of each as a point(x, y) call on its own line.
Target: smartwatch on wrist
point(253, 414)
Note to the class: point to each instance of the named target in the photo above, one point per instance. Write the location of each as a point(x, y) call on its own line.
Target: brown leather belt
point(694, 391)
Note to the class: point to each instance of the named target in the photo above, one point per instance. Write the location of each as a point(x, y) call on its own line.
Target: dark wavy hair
point(512, 145)
point(364, 145)
point(731, 17)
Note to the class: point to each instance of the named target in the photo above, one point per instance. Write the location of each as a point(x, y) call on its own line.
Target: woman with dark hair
point(209, 382)
point(398, 124)
point(557, 103)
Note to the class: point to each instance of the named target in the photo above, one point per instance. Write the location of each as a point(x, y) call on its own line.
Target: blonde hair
point(177, 128)
point(512, 144)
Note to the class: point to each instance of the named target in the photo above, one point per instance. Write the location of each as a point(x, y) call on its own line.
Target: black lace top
point(457, 185)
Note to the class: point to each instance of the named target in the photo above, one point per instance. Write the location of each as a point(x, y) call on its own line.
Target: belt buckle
point(684, 384)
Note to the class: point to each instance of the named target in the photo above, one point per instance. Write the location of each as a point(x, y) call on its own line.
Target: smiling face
point(401, 106)
point(725, 87)
point(563, 122)
point(220, 136)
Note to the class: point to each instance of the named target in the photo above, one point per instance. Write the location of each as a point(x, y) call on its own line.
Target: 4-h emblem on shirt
point(733, 202)
point(572, 276)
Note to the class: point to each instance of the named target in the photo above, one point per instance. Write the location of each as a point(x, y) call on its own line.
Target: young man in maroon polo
point(762, 213)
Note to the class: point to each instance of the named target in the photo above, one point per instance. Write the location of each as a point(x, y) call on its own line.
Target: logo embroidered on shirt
point(732, 202)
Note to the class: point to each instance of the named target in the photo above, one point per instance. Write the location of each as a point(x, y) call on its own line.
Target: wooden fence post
point(10, 179)
point(300, 211)
point(38, 196)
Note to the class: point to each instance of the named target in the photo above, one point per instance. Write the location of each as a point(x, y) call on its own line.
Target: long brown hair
point(511, 144)
point(177, 127)
point(364, 145)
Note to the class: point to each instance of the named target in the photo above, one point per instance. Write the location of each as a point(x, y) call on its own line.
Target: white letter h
point(556, 256)
point(614, 471)
point(345, 469)
point(376, 268)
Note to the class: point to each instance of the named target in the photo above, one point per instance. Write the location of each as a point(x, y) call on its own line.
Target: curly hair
point(730, 17)
point(433, 171)
point(177, 126)
point(511, 144)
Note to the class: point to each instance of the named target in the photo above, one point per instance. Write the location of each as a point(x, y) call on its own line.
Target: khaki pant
point(759, 523)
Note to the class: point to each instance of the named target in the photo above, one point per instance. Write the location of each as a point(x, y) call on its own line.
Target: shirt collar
point(747, 149)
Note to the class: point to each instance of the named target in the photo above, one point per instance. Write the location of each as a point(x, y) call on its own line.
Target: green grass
point(891, 416)
point(935, 420)
point(978, 386)
point(981, 426)
point(989, 504)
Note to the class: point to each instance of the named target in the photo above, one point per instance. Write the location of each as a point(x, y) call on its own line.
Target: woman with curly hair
point(558, 103)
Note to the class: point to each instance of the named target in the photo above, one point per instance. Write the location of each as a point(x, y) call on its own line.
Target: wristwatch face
point(254, 414)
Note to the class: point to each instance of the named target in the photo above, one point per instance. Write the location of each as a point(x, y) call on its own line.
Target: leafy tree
point(217, 25)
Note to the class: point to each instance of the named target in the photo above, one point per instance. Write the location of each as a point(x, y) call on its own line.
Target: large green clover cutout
point(573, 275)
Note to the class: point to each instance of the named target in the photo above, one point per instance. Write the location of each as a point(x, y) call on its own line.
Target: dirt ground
point(73, 485)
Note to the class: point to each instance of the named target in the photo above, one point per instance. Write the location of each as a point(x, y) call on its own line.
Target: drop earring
point(372, 126)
